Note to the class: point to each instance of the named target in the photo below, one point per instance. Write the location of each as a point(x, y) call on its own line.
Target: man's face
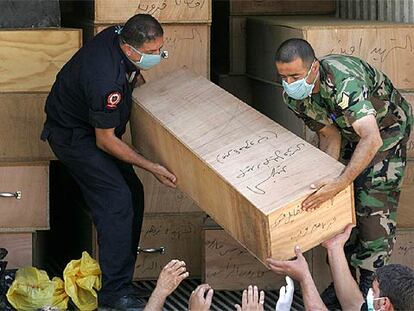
point(380, 303)
point(296, 70)
point(149, 47)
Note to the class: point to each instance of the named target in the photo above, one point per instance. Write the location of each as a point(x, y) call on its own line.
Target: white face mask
point(148, 61)
point(300, 89)
point(371, 299)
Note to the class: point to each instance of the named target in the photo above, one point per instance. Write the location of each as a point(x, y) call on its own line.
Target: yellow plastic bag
point(81, 277)
point(32, 289)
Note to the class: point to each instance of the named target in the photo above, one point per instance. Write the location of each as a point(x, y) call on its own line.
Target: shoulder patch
point(345, 101)
point(113, 100)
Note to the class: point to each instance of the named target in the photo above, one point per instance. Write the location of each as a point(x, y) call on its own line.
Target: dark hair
point(141, 28)
point(397, 283)
point(291, 49)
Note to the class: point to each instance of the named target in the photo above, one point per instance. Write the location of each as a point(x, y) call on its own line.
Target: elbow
point(100, 144)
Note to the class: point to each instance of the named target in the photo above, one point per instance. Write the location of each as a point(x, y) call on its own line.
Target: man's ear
point(386, 304)
point(316, 66)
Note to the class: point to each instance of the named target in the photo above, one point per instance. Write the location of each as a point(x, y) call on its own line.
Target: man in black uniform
point(87, 112)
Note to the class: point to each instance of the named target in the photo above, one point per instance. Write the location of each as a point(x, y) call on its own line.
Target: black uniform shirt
point(93, 90)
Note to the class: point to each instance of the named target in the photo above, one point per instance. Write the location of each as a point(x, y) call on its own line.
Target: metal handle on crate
point(160, 250)
point(17, 195)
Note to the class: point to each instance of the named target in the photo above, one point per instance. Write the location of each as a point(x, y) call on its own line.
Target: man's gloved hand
point(285, 296)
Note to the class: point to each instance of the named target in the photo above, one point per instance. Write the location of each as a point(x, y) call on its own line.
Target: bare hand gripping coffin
point(243, 169)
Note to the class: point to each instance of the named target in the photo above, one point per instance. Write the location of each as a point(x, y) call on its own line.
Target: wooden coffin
point(19, 247)
point(21, 123)
point(178, 234)
point(187, 45)
point(237, 46)
point(388, 47)
point(405, 212)
point(281, 7)
point(165, 11)
point(31, 58)
point(244, 170)
point(24, 201)
point(403, 252)
point(162, 199)
point(229, 266)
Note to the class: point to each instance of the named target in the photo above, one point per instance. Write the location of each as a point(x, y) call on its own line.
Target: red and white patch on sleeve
point(113, 100)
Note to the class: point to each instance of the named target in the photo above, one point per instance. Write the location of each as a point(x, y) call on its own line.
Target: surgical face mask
point(371, 299)
point(148, 61)
point(300, 89)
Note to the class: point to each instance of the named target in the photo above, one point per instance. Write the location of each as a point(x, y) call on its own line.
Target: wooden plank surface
point(187, 45)
point(21, 123)
point(237, 165)
point(403, 252)
point(31, 58)
point(281, 7)
point(166, 11)
point(388, 47)
point(180, 234)
point(162, 199)
point(19, 247)
point(31, 212)
point(229, 266)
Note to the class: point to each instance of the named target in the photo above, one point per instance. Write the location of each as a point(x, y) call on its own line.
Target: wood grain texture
point(281, 7)
point(187, 45)
point(31, 58)
point(229, 266)
point(31, 212)
point(162, 199)
point(165, 11)
point(19, 246)
point(403, 252)
point(247, 172)
point(388, 47)
point(405, 212)
point(180, 234)
point(21, 123)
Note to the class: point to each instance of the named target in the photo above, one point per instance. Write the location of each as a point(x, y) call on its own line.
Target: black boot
point(365, 281)
point(329, 298)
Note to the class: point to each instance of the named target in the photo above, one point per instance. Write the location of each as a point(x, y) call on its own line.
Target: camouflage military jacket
point(350, 89)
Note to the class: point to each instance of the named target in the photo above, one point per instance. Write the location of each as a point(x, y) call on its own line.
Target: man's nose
point(289, 80)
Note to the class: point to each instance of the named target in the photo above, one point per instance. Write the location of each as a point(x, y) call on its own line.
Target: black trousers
point(115, 197)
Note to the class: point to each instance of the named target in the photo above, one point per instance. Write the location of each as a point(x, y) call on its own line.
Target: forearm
point(310, 295)
point(156, 301)
point(361, 158)
point(346, 287)
point(122, 151)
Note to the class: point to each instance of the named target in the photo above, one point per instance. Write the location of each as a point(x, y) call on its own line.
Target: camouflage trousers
point(377, 191)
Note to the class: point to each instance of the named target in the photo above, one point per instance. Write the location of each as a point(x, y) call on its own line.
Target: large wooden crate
point(403, 252)
point(19, 247)
point(405, 212)
point(171, 11)
point(31, 58)
point(187, 45)
point(162, 199)
point(21, 123)
point(229, 266)
point(386, 46)
point(24, 201)
point(237, 46)
point(178, 234)
point(281, 7)
point(268, 99)
point(247, 172)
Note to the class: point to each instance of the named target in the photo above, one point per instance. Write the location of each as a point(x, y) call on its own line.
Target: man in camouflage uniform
point(363, 121)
